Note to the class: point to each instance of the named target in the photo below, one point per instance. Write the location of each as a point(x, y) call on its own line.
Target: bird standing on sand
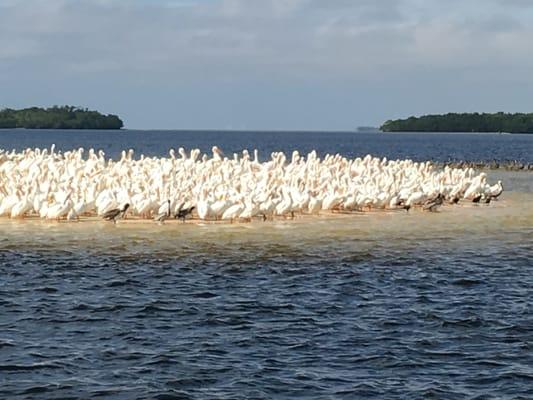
point(113, 214)
point(454, 200)
point(477, 198)
point(164, 215)
point(403, 206)
point(37, 182)
point(182, 214)
point(496, 190)
point(434, 203)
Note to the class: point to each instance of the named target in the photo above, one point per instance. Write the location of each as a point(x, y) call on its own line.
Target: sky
point(267, 64)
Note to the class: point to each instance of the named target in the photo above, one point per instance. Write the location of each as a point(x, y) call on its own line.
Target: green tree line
point(466, 122)
point(58, 117)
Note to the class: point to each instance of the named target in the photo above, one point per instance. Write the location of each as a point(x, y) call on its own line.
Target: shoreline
point(514, 165)
point(324, 216)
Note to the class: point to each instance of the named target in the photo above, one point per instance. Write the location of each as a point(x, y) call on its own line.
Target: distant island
point(367, 129)
point(64, 117)
point(465, 122)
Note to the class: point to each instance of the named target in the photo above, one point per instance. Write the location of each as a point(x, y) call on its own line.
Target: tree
point(58, 117)
point(465, 122)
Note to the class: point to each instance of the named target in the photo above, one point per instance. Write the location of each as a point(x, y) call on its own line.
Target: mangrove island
point(465, 122)
point(64, 117)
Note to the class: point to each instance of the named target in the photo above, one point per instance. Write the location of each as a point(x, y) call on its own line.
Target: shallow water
point(385, 305)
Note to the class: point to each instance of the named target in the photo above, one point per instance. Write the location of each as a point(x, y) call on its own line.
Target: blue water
point(386, 306)
point(420, 147)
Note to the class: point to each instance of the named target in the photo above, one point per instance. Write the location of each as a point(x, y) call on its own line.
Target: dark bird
point(178, 209)
point(402, 204)
point(434, 203)
point(164, 215)
point(182, 214)
point(454, 200)
point(113, 214)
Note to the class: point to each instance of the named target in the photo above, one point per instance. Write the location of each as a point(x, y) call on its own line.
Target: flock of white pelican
point(68, 185)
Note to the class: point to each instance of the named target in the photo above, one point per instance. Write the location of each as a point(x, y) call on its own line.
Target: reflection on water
point(391, 305)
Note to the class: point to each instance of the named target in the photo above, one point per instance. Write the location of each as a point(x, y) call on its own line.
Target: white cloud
point(193, 43)
point(250, 34)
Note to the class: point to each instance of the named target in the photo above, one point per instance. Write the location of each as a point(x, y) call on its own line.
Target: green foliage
point(466, 122)
point(65, 117)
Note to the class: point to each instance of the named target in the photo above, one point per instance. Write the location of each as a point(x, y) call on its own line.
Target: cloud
point(76, 45)
point(308, 36)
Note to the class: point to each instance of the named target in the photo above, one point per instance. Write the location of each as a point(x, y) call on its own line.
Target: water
point(420, 147)
point(379, 305)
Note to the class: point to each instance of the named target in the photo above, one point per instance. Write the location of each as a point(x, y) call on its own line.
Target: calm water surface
point(377, 305)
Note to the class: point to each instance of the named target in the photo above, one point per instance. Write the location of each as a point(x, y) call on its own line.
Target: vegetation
point(471, 122)
point(65, 117)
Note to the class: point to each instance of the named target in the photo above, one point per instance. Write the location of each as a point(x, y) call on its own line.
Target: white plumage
point(55, 185)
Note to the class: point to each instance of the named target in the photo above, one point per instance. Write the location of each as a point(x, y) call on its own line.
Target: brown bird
point(434, 203)
point(182, 214)
point(113, 214)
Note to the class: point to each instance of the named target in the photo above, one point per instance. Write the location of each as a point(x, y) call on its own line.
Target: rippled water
point(397, 305)
point(417, 146)
point(384, 305)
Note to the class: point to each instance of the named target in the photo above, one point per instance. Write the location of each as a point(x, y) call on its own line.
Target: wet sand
point(511, 214)
point(513, 211)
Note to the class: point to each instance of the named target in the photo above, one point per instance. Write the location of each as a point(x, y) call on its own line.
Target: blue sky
point(267, 64)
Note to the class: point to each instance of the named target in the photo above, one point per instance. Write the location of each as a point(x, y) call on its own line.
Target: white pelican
point(76, 183)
